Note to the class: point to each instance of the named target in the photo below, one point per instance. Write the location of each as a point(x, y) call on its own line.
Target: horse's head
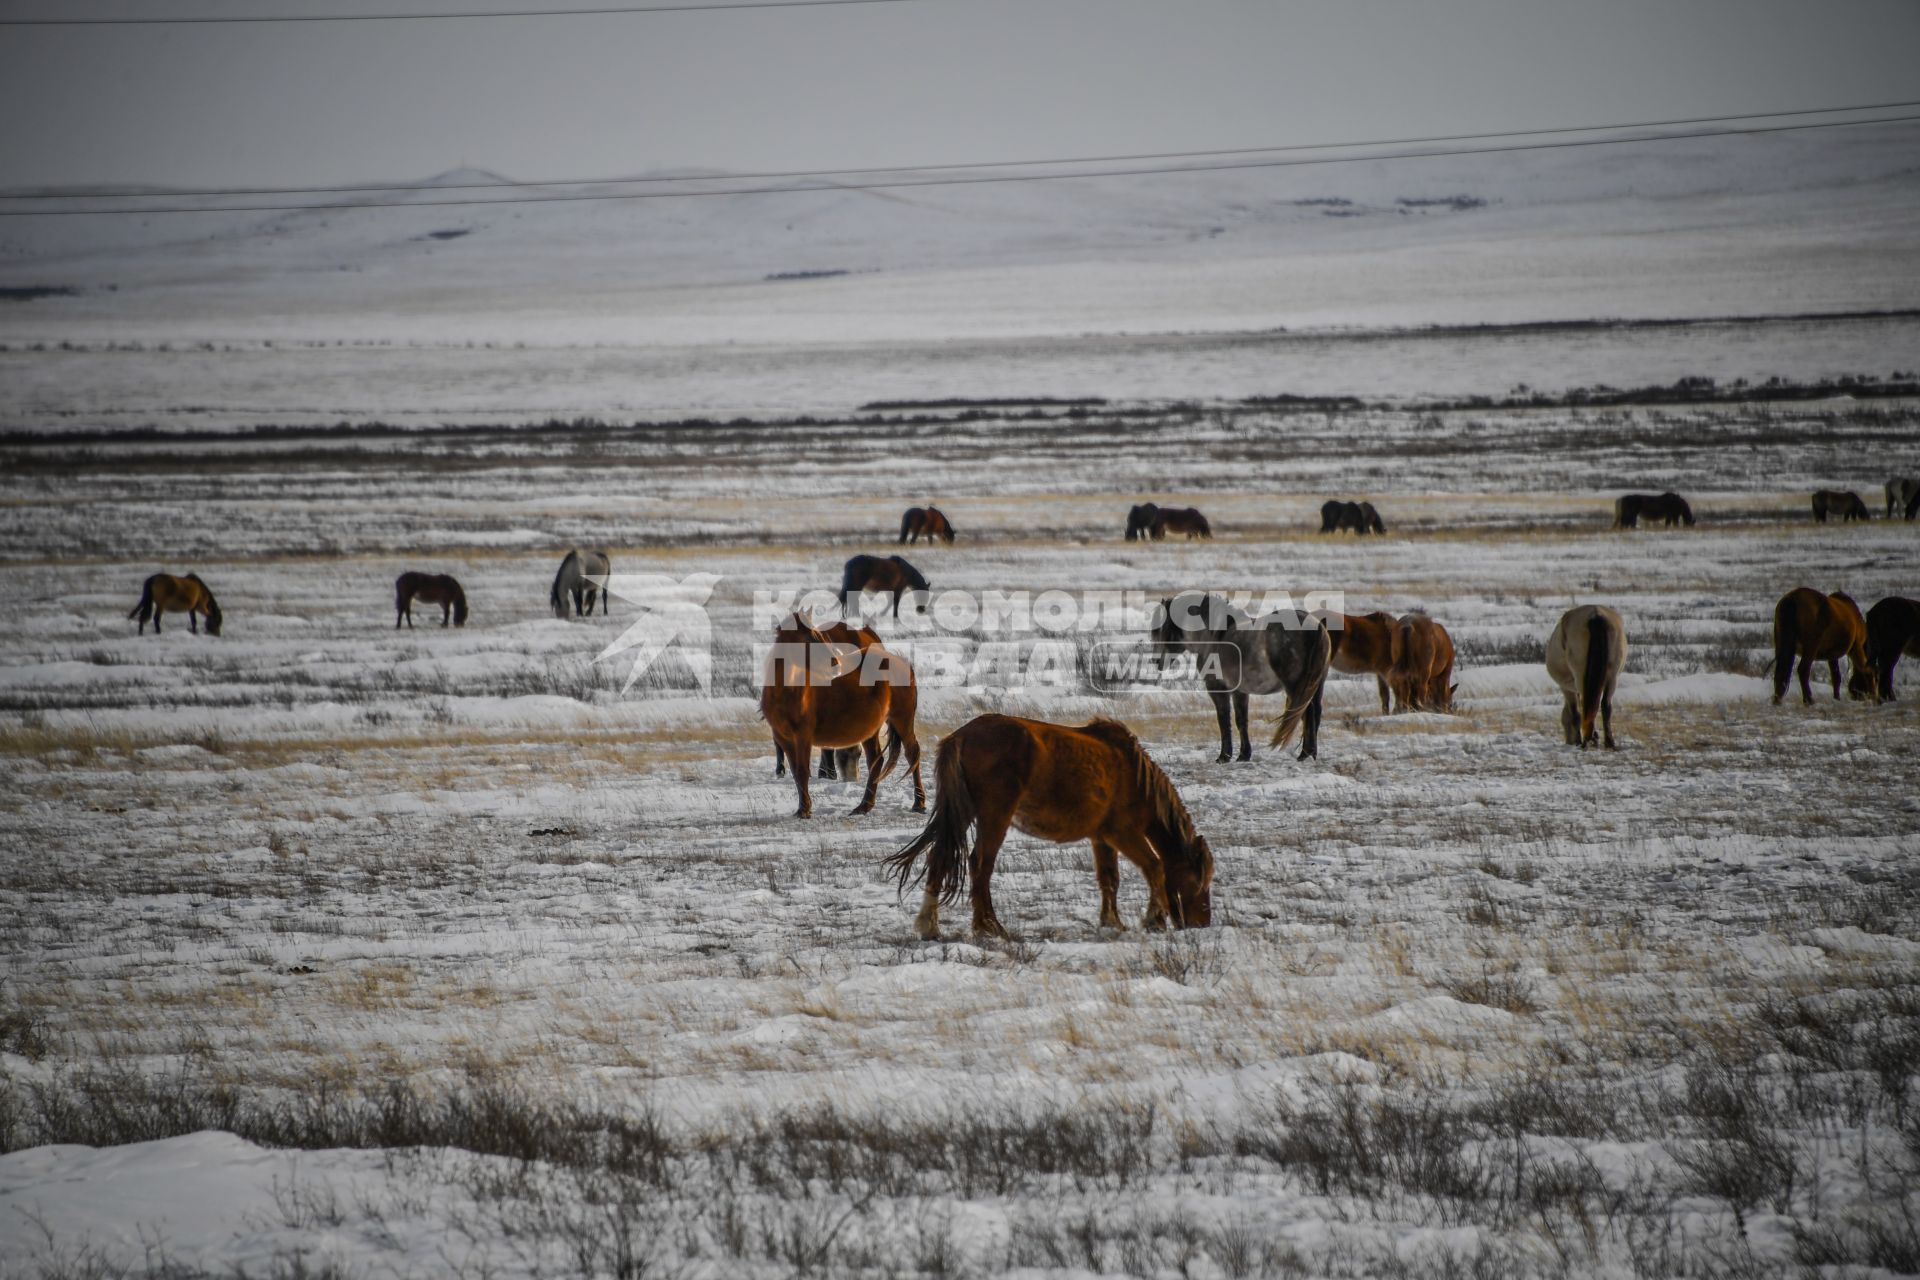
point(213, 616)
point(1190, 886)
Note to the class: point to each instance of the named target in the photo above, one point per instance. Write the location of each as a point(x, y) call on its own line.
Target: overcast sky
point(924, 82)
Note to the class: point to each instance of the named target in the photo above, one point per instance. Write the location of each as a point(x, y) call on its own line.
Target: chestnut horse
point(1140, 520)
point(925, 522)
point(1363, 644)
point(1844, 503)
point(901, 709)
point(1629, 509)
point(819, 692)
point(1061, 784)
point(1422, 664)
point(428, 588)
point(1585, 655)
point(1187, 520)
point(1819, 628)
point(165, 593)
point(1893, 628)
point(892, 574)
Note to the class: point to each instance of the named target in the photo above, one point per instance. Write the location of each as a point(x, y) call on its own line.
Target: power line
point(966, 180)
point(768, 175)
point(721, 5)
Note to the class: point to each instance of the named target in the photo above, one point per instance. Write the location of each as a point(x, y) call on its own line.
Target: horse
point(1061, 784)
point(162, 593)
point(428, 588)
point(1338, 517)
point(1140, 520)
point(927, 522)
point(1585, 655)
point(582, 576)
point(1903, 494)
point(1893, 628)
point(819, 692)
point(1187, 520)
point(1820, 628)
point(1844, 503)
point(902, 706)
point(1280, 651)
point(1422, 664)
point(893, 574)
point(1629, 509)
point(1362, 645)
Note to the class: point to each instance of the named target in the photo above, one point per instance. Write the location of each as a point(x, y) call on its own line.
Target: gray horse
point(1283, 651)
point(582, 576)
point(1902, 493)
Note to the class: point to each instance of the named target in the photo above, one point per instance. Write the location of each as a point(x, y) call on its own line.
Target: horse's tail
point(896, 744)
point(1593, 680)
point(1786, 643)
point(556, 599)
point(1307, 688)
point(945, 839)
point(144, 610)
point(906, 524)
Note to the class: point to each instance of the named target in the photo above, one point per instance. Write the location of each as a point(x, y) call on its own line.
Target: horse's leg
point(1606, 716)
point(992, 831)
point(1106, 870)
point(1385, 704)
point(193, 625)
point(779, 759)
point(800, 753)
point(1223, 711)
point(1833, 665)
point(1310, 748)
point(1141, 853)
point(1240, 718)
point(1806, 685)
point(913, 763)
point(898, 591)
point(446, 613)
point(1569, 720)
point(829, 764)
point(872, 745)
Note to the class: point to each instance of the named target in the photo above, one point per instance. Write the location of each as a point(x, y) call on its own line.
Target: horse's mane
point(914, 576)
point(1168, 809)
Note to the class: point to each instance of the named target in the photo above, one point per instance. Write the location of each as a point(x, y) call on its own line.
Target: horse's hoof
point(1225, 757)
point(991, 929)
point(803, 813)
point(860, 809)
point(920, 806)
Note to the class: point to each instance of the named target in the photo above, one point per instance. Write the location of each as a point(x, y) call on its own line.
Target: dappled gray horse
point(582, 576)
point(1283, 651)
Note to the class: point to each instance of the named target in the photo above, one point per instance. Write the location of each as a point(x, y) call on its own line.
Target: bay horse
point(1818, 627)
point(1629, 509)
point(428, 588)
point(1337, 516)
point(925, 522)
point(902, 706)
point(1844, 503)
point(1187, 520)
point(1422, 664)
point(1585, 655)
point(1363, 645)
point(1902, 494)
point(1893, 628)
point(1062, 784)
point(1283, 651)
point(891, 574)
point(582, 577)
point(164, 593)
point(1140, 521)
point(819, 692)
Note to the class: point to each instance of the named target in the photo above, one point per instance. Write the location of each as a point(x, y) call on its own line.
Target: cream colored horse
point(1585, 655)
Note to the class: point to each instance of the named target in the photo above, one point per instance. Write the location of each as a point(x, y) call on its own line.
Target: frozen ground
point(334, 949)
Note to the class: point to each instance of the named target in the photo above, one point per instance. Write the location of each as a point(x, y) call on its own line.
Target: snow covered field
point(330, 949)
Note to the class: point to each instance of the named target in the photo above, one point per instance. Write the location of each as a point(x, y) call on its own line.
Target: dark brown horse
point(1817, 627)
point(1339, 517)
point(1362, 645)
point(429, 588)
point(1187, 520)
point(889, 574)
point(925, 522)
point(1061, 784)
point(164, 593)
point(1631, 508)
point(819, 692)
point(1422, 672)
point(1893, 628)
point(902, 706)
point(1140, 520)
point(1844, 503)
point(1903, 494)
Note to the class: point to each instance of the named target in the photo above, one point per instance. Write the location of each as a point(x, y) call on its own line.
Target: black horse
point(876, 573)
point(1140, 521)
point(1631, 508)
point(1893, 628)
point(1338, 517)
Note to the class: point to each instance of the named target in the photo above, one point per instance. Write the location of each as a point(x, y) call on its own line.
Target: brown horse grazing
point(1819, 628)
point(1422, 668)
point(1187, 520)
point(902, 707)
point(821, 692)
point(1363, 644)
point(1140, 520)
point(1844, 503)
point(892, 574)
point(925, 522)
point(1338, 517)
point(1585, 655)
point(164, 593)
point(1893, 628)
point(1629, 509)
point(1061, 784)
point(429, 588)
